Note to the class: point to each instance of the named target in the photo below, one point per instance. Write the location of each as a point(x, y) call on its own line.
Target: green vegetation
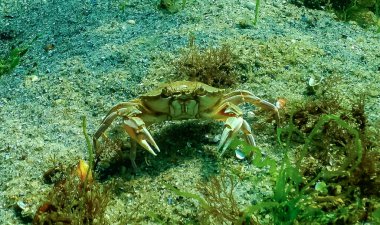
point(172, 6)
point(73, 202)
point(90, 149)
point(364, 12)
point(329, 172)
point(75, 198)
point(11, 60)
point(212, 66)
point(257, 7)
point(218, 201)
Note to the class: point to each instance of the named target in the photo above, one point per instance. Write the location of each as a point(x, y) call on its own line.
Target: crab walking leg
point(136, 129)
point(239, 97)
point(111, 116)
point(232, 126)
point(115, 112)
point(123, 108)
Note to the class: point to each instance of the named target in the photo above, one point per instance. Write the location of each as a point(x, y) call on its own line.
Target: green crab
point(179, 101)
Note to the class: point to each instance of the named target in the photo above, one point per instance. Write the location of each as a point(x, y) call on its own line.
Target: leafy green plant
point(364, 12)
point(123, 5)
point(257, 7)
point(292, 195)
point(11, 60)
point(285, 205)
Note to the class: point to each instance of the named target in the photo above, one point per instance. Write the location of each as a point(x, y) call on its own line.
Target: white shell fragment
point(312, 82)
point(239, 154)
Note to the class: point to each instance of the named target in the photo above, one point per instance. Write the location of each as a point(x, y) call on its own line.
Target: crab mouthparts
point(184, 109)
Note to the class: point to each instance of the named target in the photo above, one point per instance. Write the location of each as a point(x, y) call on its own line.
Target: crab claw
point(232, 126)
point(136, 129)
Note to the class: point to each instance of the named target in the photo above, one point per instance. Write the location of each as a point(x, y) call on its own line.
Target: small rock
point(30, 79)
point(133, 22)
point(250, 5)
point(22, 205)
point(239, 154)
point(49, 47)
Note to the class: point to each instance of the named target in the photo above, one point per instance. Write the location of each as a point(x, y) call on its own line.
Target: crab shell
point(182, 100)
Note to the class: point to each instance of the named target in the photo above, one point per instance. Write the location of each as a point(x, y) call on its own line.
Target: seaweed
point(286, 204)
point(293, 194)
point(250, 151)
point(213, 66)
point(90, 149)
point(12, 59)
point(257, 7)
point(76, 197)
point(338, 151)
point(171, 6)
point(364, 12)
point(74, 202)
point(218, 201)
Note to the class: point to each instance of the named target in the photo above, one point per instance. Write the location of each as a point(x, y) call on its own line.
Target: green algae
point(11, 60)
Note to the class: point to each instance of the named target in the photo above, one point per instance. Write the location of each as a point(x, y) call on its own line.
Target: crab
point(183, 100)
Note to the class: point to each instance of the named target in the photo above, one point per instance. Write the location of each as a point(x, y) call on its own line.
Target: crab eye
point(200, 91)
point(165, 92)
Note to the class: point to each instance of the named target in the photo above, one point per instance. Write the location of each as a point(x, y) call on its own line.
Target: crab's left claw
point(136, 129)
point(232, 126)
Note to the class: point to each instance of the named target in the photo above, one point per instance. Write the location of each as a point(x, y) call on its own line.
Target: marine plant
point(257, 7)
point(12, 59)
point(172, 6)
point(90, 149)
point(329, 172)
point(213, 66)
point(217, 200)
point(364, 12)
point(74, 201)
point(294, 193)
point(76, 197)
point(336, 151)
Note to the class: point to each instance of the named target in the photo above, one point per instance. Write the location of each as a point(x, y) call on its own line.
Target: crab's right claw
point(232, 126)
point(136, 129)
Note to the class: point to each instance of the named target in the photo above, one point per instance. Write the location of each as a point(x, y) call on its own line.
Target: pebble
point(170, 200)
point(133, 22)
point(250, 5)
point(30, 79)
point(22, 205)
point(239, 154)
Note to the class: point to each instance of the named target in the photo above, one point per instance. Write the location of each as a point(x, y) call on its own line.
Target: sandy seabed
point(89, 55)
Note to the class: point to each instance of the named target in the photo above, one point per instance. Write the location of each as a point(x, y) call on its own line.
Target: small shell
point(239, 154)
point(132, 22)
point(22, 205)
point(312, 82)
